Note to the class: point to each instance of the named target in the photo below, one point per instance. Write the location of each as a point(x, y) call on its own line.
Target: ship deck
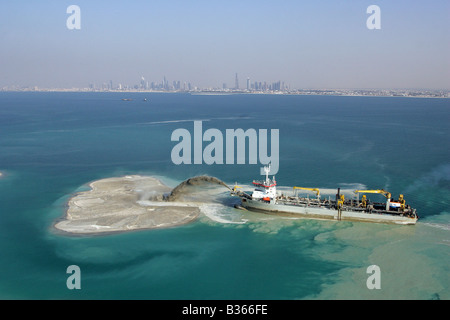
point(327, 209)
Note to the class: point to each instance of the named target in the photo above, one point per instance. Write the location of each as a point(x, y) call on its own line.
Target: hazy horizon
point(306, 44)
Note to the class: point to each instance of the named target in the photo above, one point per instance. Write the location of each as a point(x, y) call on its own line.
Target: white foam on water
point(192, 120)
point(437, 225)
point(220, 213)
point(174, 121)
point(148, 203)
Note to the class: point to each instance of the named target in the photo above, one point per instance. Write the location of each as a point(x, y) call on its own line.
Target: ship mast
point(267, 170)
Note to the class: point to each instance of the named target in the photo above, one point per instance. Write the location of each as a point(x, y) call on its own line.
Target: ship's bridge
point(265, 189)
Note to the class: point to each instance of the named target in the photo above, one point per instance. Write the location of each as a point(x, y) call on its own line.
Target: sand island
point(123, 204)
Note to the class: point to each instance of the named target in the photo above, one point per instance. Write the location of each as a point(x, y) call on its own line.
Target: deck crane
point(380, 191)
point(317, 191)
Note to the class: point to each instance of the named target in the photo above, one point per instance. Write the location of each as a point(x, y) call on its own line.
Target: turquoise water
point(53, 144)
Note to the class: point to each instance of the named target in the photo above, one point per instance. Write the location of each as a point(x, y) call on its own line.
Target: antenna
point(267, 170)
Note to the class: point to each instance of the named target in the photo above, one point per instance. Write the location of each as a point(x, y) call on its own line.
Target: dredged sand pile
point(123, 204)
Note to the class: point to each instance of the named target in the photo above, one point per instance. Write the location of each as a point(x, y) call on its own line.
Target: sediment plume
point(185, 187)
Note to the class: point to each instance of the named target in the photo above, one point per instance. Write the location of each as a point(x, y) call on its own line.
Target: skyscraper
point(248, 84)
point(236, 82)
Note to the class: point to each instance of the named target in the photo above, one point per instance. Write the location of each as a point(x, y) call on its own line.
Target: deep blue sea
point(53, 144)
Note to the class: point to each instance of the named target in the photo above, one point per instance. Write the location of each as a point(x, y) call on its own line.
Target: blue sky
point(308, 44)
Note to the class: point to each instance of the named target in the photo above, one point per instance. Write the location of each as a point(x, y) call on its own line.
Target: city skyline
point(178, 85)
point(258, 87)
point(301, 43)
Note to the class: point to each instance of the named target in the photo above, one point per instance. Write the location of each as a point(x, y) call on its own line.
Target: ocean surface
point(53, 144)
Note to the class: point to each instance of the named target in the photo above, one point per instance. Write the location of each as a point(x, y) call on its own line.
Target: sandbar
point(121, 204)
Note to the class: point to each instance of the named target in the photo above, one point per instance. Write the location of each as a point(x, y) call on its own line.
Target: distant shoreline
point(437, 94)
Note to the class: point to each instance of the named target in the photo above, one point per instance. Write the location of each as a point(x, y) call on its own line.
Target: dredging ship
point(265, 198)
